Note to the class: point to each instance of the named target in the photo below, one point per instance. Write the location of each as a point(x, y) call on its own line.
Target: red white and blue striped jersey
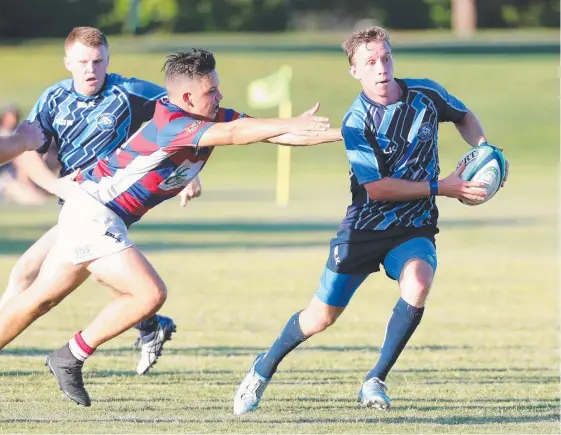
point(153, 165)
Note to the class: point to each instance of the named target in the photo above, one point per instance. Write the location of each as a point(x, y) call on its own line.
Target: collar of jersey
point(173, 108)
point(91, 97)
point(170, 106)
point(392, 106)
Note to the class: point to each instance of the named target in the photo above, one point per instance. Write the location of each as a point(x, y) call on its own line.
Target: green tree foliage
point(51, 18)
point(152, 15)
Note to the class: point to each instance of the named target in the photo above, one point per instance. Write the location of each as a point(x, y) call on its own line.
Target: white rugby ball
point(484, 163)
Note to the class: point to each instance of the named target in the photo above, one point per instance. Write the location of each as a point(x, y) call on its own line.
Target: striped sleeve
point(449, 107)
point(364, 162)
point(42, 113)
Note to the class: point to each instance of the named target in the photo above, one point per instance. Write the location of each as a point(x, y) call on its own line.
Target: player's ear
point(187, 99)
point(353, 72)
point(67, 63)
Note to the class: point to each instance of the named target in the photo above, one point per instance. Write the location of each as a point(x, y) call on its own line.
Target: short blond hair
point(89, 36)
point(364, 36)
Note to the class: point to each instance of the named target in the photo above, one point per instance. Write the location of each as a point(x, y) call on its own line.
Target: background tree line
point(54, 18)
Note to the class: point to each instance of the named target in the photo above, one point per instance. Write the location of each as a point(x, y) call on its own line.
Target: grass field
point(484, 360)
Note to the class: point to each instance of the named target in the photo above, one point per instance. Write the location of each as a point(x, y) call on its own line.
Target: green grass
point(484, 359)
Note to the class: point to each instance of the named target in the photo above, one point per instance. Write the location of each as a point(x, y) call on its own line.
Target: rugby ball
point(484, 163)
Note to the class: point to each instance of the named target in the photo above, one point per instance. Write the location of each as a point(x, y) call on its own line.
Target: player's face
point(88, 66)
point(205, 96)
point(373, 66)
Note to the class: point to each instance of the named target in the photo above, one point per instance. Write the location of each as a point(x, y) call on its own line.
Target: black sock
point(147, 327)
point(65, 353)
point(402, 324)
point(290, 337)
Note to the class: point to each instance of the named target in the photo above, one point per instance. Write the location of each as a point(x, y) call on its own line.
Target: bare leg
point(28, 266)
point(142, 293)
point(57, 279)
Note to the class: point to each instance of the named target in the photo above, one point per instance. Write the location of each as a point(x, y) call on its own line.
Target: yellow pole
point(283, 161)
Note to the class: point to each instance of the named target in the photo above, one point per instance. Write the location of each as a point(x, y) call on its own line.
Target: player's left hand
point(191, 191)
point(312, 111)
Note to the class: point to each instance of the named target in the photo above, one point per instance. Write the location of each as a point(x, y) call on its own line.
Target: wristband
point(433, 187)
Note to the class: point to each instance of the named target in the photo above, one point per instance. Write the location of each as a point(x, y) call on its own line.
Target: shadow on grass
point(445, 421)
point(15, 245)
point(226, 350)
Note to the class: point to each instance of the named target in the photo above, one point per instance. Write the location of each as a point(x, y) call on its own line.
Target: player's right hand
point(308, 125)
point(454, 187)
point(31, 135)
point(66, 184)
point(191, 191)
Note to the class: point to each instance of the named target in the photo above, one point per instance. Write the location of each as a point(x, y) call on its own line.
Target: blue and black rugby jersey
point(85, 129)
point(398, 141)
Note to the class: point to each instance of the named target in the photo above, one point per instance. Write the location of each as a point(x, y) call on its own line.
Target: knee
point(315, 322)
point(416, 282)
point(97, 279)
point(24, 272)
point(418, 289)
point(45, 305)
point(156, 296)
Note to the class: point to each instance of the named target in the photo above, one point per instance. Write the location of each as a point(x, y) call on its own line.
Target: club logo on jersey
point(182, 175)
point(106, 122)
point(426, 131)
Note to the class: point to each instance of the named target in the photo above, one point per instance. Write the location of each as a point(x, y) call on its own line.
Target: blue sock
point(403, 322)
point(290, 337)
point(147, 327)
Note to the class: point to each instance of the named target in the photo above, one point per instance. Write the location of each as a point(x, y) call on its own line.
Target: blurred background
point(444, 39)
point(491, 333)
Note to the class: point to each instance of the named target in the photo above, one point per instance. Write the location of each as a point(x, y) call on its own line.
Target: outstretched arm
point(329, 135)
point(250, 130)
point(27, 137)
point(38, 171)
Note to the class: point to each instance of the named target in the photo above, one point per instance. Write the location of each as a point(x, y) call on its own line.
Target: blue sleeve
point(143, 97)
point(449, 107)
point(361, 155)
point(42, 112)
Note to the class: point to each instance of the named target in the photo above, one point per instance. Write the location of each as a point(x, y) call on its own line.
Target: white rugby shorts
point(88, 230)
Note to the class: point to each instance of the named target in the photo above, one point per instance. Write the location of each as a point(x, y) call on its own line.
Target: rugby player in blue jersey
point(86, 118)
point(390, 134)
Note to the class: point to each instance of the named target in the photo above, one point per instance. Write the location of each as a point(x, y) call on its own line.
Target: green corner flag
point(265, 93)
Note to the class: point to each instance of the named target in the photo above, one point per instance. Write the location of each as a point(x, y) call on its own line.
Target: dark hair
point(197, 62)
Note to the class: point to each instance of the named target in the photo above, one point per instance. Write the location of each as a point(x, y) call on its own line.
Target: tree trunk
point(464, 17)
